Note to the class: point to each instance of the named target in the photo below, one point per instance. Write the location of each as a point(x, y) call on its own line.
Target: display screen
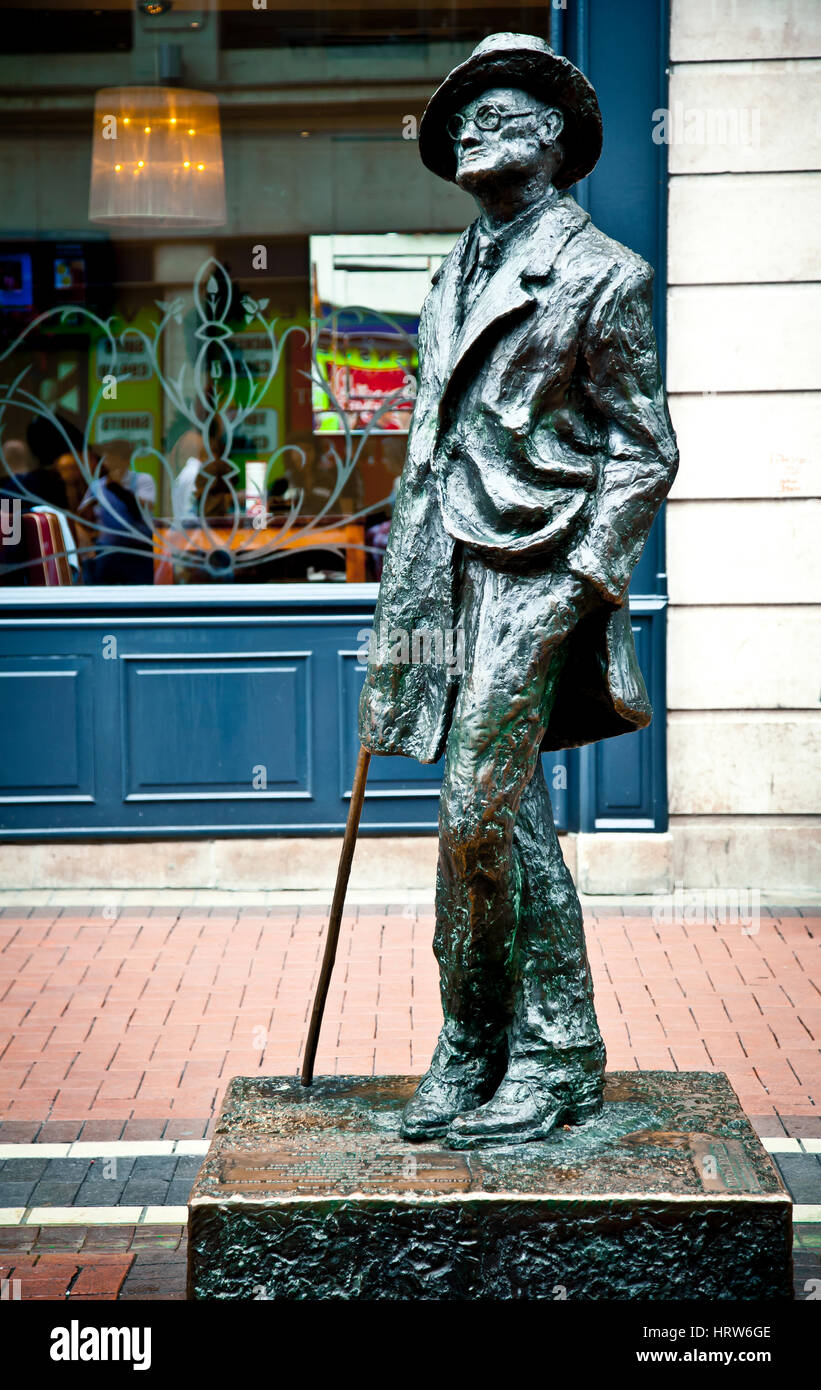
point(69, 272)
point(16, 281)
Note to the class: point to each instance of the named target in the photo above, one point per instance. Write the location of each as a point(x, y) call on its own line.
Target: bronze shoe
point(520, 1112)
point(456, 1081)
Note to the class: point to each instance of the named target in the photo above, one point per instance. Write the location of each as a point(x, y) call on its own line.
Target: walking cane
point(343, 873)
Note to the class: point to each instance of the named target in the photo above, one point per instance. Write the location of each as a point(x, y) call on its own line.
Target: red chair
point(48, 565)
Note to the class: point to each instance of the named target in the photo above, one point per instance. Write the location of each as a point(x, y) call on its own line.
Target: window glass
point(214, 248)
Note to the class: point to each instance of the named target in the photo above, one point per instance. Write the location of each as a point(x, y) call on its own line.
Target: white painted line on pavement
point(806, 1215)
point(34, 1150)
point(165, 1216)
point(104, 1216)
point(122, 1148)
point(116, 1148)
point(83, 1216)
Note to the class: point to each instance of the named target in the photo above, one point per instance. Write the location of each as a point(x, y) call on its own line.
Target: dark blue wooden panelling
point(221, 726)
point(46, 728)
point(220, 717)
point(211, 716)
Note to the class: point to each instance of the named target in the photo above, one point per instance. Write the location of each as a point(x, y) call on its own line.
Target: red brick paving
point(131, 1028)
point(145, 1263)
point(119, 1024)
point(47, 1276)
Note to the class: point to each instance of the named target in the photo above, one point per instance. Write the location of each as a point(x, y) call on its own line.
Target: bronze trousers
point(509, 939)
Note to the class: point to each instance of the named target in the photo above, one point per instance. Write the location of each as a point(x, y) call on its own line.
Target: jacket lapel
point(530, 258)
point(442, 313)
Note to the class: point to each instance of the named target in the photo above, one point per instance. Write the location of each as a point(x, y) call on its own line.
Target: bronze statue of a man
point(540, 451)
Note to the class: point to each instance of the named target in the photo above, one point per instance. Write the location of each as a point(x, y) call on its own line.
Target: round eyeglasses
point(486, 118)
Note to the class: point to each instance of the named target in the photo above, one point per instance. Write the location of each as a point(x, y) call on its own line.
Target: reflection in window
point(217, 435)
point(248, 424)
point(283, 24)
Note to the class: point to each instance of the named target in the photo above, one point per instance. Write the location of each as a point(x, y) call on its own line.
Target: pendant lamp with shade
point(157, 155)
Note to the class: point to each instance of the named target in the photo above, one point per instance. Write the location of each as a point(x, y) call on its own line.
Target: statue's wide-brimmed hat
point(516, 60)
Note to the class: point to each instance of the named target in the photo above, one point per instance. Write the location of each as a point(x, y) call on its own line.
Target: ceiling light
point(163, 133)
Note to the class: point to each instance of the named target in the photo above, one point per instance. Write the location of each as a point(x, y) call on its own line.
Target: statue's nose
point(469, 136)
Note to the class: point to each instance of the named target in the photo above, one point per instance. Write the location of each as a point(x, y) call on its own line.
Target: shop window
point(282, 24)
point(241, 422)
point(245, 429)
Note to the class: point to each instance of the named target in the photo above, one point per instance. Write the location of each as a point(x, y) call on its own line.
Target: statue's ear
point(552, 126)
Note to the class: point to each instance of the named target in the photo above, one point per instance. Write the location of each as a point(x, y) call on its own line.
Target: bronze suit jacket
point(540, 436)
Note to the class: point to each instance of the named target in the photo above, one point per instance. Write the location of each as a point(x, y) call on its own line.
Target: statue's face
point(501, 135)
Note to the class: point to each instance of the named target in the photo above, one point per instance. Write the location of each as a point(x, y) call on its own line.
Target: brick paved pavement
point(99, 1263)
point(147, 1016)
point(129, 1026)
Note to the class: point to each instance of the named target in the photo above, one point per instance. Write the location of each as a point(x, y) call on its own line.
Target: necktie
point(482, 267)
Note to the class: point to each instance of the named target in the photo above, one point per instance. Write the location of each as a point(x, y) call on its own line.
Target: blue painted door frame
point(621, 784)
